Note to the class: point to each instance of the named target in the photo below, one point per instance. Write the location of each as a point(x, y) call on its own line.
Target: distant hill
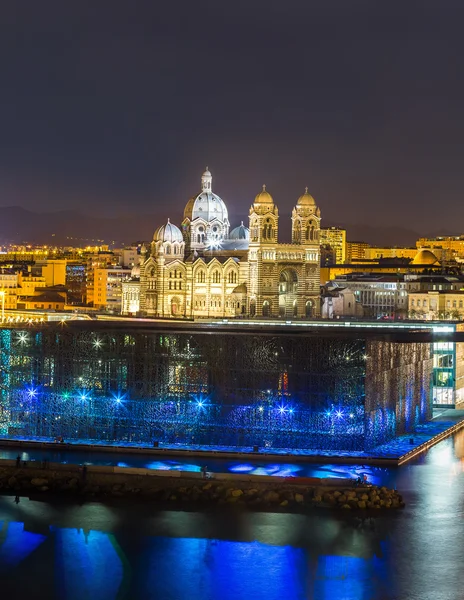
point(73, 228)
point(387, 236)
point(69, 227)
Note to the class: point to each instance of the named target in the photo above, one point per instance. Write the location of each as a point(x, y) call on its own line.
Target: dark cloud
point(118, 106)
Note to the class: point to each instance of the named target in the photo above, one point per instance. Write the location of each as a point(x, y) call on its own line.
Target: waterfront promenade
point(445, 423)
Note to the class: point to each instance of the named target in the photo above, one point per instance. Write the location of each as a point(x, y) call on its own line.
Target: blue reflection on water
point(88, 565)
point(230, 570)
point(92, 564)
point(16, 544)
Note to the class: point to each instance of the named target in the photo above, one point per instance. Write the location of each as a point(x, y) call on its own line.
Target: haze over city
point(115, 112)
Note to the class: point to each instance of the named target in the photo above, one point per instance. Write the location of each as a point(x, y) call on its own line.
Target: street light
point(2, 294)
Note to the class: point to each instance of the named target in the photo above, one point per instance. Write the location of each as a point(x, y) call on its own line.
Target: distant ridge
point(70, 227)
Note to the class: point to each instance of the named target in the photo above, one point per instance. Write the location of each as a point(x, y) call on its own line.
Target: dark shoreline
point(193, 491)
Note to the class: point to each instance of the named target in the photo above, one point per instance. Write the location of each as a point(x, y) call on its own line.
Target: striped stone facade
point(203, 271)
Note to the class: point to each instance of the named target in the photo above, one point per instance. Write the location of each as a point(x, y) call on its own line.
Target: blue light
point(32, 392)
point(200, 403)
point(282, 409)
point(339, 414)
point(291, 411)
point(261, 409)
point(351, 416)
point(118, 397)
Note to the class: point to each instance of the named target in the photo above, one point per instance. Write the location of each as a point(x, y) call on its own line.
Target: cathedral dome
point(425, 257)
point(206, 205)
point(264, 197)
point(306, 199)
point(240, 233)
point(168, 233)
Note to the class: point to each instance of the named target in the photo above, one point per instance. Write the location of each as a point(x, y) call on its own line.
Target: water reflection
point(80, 563)
point(102, 551)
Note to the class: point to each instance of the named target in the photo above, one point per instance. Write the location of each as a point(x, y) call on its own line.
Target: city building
point(340, 302)
point(97, 260)
point(335, 238)
point(435, 305)
point(8, 289)
point(451, 246)
point(373, 253)
point(108, 288)
point(338, 387)
point(52, 270)
point(356, 251)
point(128, 257)
point(44, 299)
point(424, 262)
point(204, 269)
point(380, 295)
point(76, 281)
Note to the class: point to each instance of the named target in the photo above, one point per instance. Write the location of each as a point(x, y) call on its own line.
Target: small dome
point(264, 197)
point(425, 257)
point(240, 233)
point(306, 199)
point(168, 233)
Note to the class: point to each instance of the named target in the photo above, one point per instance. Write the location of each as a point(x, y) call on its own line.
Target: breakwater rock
point(184, 490)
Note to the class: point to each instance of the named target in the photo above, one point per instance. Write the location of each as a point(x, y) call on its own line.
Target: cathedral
point(203, 269)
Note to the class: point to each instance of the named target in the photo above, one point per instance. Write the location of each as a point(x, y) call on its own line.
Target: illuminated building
point(452, 246)
point(44, 299)
point(9, 287)
point(330, 387)
point(108, 288)
point(373, 253)
point(424, 260)
point(380, 295)
point(438, 304)
point(204, 269)
point(335, 237)
point(356, 251)
point(76, 282)
point(97, 260)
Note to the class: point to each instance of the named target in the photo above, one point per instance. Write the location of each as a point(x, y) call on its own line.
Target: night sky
point(116, 107)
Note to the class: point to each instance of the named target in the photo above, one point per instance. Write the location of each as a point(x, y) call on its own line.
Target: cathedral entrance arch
point(175, 306)
point(288, 291)
point(309, 309)
point(266, 309)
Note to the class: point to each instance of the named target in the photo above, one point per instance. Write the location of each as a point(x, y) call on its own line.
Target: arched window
point(267, 230)
point(232, 277)
point(168, 249)
point(254, 230)
point(216, 277)
point(201, 276)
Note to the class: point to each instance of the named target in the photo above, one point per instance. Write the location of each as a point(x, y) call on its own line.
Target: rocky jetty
point(188, 491)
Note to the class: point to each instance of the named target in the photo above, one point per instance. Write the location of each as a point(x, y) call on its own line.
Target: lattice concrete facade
point(332, 390)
